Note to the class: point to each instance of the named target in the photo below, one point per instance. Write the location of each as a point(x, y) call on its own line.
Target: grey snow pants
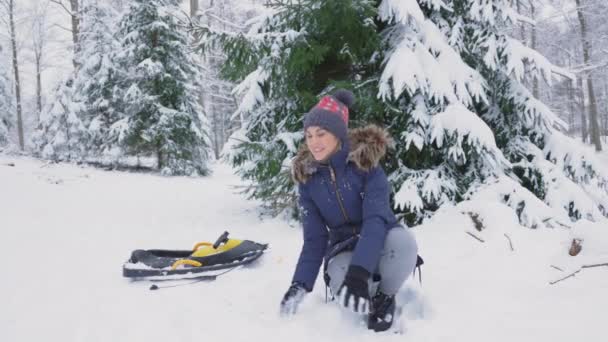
point(397, 262)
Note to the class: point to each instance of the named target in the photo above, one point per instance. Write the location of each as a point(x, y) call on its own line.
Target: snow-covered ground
point(66, 230)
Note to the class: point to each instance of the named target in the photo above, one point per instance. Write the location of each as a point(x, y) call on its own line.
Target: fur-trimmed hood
point(367, 147)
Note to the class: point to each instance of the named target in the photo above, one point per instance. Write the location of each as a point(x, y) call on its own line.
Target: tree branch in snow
point(62, 27)
point(60, 3)
point(226, 22)
point(510, 242)
point(595, 265)
point(564, 278)
point(589, 68)
point(476, 237)
point(548, 221)
point(577, 271)
point(563, 74)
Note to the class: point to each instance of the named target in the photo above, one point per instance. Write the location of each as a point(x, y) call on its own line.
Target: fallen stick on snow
point(548, 223)
point(510, 242)
point(575, 272)
point(557, 268)
point(476, 237)
point(564, 225)
point(566, 277)
point(595, 265)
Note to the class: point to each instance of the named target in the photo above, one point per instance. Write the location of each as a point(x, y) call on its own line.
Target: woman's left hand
point(354, 292)
point(292, 298)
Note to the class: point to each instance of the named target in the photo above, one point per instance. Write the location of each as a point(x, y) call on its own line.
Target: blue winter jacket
point(349, 196)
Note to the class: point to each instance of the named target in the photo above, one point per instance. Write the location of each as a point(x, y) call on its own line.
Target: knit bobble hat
point(331, 113)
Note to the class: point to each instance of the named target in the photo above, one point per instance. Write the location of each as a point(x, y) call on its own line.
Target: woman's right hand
point(292, 298)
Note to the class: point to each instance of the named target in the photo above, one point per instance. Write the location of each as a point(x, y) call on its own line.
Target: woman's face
point(320, 142)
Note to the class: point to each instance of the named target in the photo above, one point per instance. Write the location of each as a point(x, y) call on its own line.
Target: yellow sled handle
point(201, 244)
point(180, 262)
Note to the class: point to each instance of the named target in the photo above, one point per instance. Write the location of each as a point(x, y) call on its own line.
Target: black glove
point(354, 292)
point(292, 298)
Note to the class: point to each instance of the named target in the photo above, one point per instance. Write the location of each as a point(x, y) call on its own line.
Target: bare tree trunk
point(593, 116)
point(570, 92)
point(584, 131)
point(38, 88)
point(39, 37)
point(224, 117)
point(593, 113)
point(159, 158)
point(67, 134)
point(193, 8)
point(571, 108)
point(535, 88)
point(605, 116)
point(522, 29)
point(11, 13)
point(75, 29)
point(215, 128)
point(74, 13)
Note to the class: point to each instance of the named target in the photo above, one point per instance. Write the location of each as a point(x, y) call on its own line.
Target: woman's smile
point(321, 143)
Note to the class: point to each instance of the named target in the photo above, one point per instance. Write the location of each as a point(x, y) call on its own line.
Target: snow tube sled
point(204, 259)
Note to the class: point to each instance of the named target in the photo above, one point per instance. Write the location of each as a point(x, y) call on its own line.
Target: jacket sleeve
point(315, 241)
point(376, 207)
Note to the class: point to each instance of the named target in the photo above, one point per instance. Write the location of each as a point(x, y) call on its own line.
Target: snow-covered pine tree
point(555, 168)
point(160, 83)
point(75, 126)
point(286, 58)
point(460, 57)
point(61, 134)
point(443, 76)
point(95, 81)
point(6, 103)
point(430, 95)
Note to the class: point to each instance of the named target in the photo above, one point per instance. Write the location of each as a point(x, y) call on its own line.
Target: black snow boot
point(382, 312)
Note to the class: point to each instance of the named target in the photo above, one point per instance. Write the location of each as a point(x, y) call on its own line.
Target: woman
point(347, 218)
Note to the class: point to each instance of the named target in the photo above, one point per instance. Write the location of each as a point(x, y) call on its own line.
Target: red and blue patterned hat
point(331, 113)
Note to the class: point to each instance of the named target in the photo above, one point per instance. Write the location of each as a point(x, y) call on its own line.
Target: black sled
point(205, 259)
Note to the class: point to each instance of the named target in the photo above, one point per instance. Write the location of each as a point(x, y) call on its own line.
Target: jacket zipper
point(339, 196)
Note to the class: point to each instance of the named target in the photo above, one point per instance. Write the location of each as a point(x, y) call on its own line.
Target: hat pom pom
point(345, 96)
